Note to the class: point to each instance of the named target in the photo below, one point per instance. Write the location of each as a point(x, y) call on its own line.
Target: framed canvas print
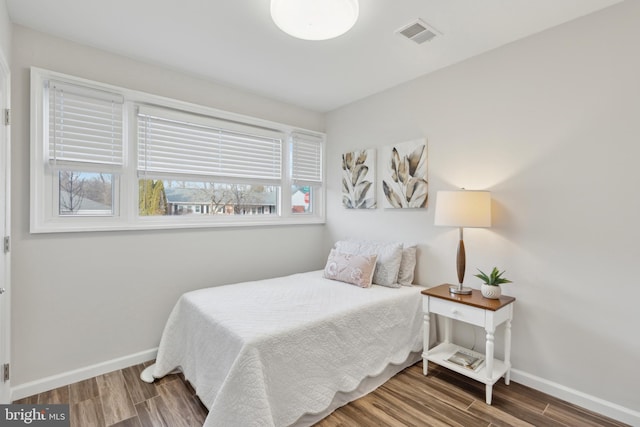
point(358, 179)
point(404, 179)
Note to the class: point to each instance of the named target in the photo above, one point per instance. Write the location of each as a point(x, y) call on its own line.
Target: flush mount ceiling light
point(314, 19)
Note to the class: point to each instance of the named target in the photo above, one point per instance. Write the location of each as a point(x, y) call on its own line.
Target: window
point(107, 158)
point(83, 144)
point(85, 193)
point(306, 172)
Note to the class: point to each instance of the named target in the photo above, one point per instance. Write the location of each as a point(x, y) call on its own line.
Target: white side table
point(476, 310)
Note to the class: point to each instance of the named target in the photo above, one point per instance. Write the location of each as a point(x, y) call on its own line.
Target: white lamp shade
point(463, 208)
point(314, 19)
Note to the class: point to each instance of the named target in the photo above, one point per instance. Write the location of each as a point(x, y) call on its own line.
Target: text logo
point(34, 415)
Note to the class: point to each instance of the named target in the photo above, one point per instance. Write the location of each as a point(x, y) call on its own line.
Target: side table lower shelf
point(440, 353)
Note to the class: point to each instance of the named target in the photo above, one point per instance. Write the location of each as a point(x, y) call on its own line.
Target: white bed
point(289, 350)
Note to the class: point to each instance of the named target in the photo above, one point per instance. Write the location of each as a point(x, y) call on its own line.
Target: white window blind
point(171, 142)
point(85, 125)
point(306, 158)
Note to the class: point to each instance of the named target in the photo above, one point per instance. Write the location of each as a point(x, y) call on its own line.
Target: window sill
point(144, 224)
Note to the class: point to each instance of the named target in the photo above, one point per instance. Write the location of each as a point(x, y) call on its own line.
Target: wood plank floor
point(443, 398)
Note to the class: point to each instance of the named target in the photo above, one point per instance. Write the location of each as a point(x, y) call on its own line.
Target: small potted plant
point(491, 286)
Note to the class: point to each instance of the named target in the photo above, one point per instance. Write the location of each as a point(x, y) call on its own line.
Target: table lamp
point(462, 209)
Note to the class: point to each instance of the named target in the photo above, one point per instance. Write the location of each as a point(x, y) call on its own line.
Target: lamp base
point(459, 289)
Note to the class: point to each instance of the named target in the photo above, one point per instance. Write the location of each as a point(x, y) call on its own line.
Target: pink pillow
point(354, 269)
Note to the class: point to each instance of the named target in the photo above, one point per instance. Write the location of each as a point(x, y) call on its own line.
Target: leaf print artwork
point(358, 177)
point(405, 182)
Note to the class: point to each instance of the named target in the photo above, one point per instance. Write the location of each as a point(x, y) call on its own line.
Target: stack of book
point(467, 359)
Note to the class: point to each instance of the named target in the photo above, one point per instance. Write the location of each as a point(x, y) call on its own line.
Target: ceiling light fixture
point(314, 19)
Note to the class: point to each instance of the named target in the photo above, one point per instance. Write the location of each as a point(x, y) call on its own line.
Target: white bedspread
point(264, 353)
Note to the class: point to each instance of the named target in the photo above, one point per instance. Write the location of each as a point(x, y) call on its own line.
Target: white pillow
point(349, 268)
point(407, 265)
point(389, 258)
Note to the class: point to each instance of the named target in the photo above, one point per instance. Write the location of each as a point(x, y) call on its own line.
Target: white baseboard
point(66, 378)
point(592, 403)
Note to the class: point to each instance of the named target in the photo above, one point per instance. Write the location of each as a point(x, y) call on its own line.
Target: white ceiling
point(234, 42)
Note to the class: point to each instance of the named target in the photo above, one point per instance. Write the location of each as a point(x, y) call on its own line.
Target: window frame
point(44, 218)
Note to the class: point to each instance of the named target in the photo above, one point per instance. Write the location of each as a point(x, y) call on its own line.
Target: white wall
point(549, 125)
point(82, 299)
point(5, 31)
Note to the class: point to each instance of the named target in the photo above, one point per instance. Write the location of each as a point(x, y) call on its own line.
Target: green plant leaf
point(494, 278)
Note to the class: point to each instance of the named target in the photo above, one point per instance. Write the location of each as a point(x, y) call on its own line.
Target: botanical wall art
point(358, 179)
point(404, 180)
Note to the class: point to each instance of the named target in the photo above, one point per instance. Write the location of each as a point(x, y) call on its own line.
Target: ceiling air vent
point(418, 31)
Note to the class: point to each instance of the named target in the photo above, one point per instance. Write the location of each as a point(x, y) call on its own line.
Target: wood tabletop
point(475, 299)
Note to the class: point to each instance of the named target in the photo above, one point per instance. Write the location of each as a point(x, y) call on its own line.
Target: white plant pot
point(491, 292)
